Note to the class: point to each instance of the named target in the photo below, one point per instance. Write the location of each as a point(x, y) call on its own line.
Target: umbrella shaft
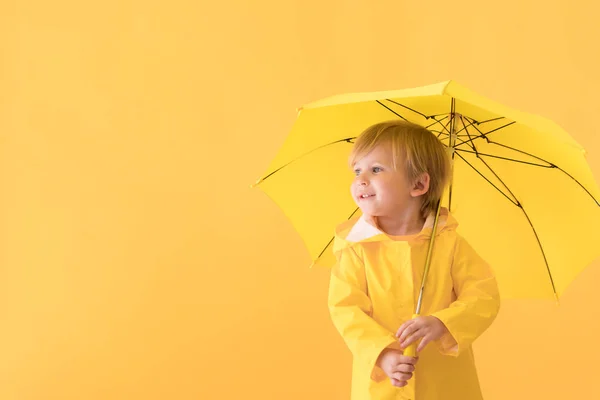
point(428, 260)
point(451, 144)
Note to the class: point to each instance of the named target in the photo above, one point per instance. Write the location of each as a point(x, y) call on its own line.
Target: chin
point(369, 212)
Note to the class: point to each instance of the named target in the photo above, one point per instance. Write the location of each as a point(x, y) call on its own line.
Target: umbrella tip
point(255, 184)
point(299, 109)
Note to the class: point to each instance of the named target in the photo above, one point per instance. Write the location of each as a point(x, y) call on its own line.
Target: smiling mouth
point(365, 196)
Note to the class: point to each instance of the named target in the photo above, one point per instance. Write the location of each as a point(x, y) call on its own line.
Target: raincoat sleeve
point(351, 309)
point(477, 300)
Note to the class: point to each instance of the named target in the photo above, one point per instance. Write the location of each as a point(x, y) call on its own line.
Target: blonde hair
point(414, 145)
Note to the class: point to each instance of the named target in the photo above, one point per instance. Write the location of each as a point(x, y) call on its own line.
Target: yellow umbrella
point(522, 191)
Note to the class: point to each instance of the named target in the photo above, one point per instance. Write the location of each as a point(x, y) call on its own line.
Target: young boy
point(401, 171)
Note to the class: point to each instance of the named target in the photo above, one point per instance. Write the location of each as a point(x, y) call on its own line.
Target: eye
point(356, 172)
point(377, 169)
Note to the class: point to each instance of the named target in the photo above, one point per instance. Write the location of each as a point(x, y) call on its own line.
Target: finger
point(397, 383)
point(407, 360)
point(401, 376)
point(412, 338)
point(404, 326)
point(404, 368)
point(408, 330)
point(424, 342)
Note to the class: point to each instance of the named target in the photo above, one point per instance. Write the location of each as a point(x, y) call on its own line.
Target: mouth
point(365, 196)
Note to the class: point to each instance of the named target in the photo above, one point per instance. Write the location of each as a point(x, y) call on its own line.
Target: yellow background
point(135, 261)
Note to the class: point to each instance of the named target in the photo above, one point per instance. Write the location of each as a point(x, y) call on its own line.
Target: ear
point(420, 185)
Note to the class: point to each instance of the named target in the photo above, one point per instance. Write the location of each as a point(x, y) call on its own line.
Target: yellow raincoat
point(373, 289)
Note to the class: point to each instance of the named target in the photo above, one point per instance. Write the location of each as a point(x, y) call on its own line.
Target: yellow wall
point(135, 262)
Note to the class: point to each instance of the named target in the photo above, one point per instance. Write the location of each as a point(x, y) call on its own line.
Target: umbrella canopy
point(521, 189)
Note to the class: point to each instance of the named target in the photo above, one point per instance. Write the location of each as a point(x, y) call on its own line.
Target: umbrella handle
point(411, 350)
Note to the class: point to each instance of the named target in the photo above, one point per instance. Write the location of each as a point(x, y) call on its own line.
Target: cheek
point(391, 189)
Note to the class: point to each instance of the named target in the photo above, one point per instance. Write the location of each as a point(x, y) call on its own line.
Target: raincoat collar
point(360, 230)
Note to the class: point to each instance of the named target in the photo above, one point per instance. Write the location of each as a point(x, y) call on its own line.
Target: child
point(401, 171)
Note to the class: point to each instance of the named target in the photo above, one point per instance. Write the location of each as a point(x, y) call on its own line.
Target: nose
point(361, 180)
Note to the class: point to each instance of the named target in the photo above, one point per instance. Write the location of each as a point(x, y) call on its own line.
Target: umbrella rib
point(472, 123)
point(468, 134)
point(460, 141)
point(442, 125)
point(552, 165)
point(530, 224)
point(488, 120)
point(464, 128)
point(516, 203)
point(395, 113)
point(542, 250)
point(475, 122)
point(347, 140)
point(506, 158)
point(408, 108)
point(438, 115)
point(440, 133)
point(333, 238)
point(436, 121)
point(484, 134)
point(472, 139)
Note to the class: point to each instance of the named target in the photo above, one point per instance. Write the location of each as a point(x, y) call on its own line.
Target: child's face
point(379, 189)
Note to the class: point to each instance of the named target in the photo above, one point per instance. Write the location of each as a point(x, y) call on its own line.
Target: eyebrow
point(374, 164)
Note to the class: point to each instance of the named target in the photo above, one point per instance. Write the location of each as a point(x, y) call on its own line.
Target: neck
point(408, 222)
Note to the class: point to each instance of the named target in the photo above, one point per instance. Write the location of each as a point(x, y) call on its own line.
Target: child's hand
point(427, 327)
point(399, 368)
